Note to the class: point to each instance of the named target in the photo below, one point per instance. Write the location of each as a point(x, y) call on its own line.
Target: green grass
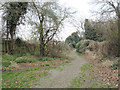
point(24, 78)
point(79, 53)
point(25, 61)
point(7, 57)
point(61, 59)
point(47, 64)
point(21, 79)
point(67, 61)
point(6, 63)
point(45, 59)
point(86, 79)
point(60, 67)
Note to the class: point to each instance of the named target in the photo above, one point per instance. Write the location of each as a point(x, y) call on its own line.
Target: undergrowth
point(86, 79)
point(21, 79)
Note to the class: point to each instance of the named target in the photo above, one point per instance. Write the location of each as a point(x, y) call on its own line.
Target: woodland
point(95, 50)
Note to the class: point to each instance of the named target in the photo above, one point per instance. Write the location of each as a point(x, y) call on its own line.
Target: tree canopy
point(50, 17)
point(73, 39)
point(12, 16)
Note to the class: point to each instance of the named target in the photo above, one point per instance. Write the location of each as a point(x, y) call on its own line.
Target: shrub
point(3, 69)
point(115, 65)
point(26, 54)
point(22, 61)
point(81, 46)
point(31, 61)
point(73, 39)
point(45, 59)
point(86, 43)
point(78, 45)
point(47, 64)
point(93, 30)
point(80, 50)
point(61, 59)
point(66, 61)
point(57, 49)
point(6, 64)
point(7, 57)
point(25, 61)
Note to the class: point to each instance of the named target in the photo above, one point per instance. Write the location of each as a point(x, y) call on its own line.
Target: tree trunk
point(118, 36)
point(7, 49)
point(42, 50)
point(12, 43)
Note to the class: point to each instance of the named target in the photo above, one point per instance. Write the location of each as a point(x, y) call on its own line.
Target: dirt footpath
point(61, 78)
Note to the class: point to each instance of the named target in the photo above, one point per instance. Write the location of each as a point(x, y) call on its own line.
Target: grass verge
point(22, 78)
point(25, 78)
point(86, 78)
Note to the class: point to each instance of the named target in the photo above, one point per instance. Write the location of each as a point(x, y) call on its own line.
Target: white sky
point(82, 7)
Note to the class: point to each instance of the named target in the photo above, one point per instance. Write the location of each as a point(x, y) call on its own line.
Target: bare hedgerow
point(57, 49)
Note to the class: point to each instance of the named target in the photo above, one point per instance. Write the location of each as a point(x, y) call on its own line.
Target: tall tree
point(73, 39)
point(13, 14)
point(111, 6)
point(93, 30)
point(50, 17)
point(90, 32)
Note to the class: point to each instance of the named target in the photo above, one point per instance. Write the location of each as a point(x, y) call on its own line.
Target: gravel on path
point(61, 78)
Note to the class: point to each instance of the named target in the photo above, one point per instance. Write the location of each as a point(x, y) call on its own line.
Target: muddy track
point(61, 78)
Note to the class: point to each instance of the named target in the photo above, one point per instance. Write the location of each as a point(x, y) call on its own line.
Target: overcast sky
point(82, 7)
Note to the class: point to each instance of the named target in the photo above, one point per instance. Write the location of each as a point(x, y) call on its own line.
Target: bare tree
point(79, 25)
point(108, 7)
point(50, 18)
